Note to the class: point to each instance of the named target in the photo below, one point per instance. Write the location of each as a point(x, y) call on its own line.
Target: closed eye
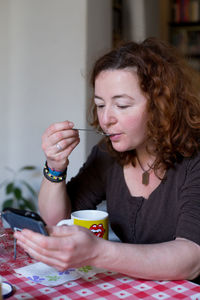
point(123, 106)
point(100, 105)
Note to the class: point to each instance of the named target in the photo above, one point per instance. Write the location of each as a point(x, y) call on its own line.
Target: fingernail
point(15, 235)
point(71, 124)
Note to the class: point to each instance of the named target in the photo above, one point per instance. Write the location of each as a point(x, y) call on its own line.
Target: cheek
point(99, 116)
point(137, 124)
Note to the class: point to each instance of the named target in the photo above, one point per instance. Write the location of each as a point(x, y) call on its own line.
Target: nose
point(108, 116)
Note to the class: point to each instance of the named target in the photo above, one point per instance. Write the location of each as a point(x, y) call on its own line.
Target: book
point(176, 11)
point(194, 10)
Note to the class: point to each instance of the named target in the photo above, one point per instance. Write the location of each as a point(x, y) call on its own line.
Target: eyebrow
point(115, 97)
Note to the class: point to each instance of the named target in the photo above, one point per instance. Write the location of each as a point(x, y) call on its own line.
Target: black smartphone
point(19, 219)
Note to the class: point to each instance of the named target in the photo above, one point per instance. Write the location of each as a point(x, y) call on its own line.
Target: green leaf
point(29, 204)
point(29, 187)
point(22, 206)
point(17, 193)
point(9, 188)
point(7, 203)
point(27, 168)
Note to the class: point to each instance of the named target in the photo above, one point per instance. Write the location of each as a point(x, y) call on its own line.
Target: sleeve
point(189, 217)
point(88, 188)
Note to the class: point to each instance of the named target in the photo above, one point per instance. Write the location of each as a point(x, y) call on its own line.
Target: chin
point(121, 148)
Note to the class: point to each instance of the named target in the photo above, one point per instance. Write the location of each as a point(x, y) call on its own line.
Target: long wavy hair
point(172, 89)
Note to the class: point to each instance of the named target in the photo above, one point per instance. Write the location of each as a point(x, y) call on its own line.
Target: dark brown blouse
point(172, 209)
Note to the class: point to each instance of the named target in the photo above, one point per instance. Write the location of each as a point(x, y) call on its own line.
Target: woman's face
point(121, 108)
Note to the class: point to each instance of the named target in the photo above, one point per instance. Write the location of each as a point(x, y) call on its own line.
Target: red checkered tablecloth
point(108, 285)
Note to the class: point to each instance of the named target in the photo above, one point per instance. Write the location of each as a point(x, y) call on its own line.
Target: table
point(107, 285)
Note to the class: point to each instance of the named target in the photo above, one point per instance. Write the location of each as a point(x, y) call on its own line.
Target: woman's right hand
point(58, 141)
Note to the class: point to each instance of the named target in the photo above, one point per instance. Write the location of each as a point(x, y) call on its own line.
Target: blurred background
point(47, 49)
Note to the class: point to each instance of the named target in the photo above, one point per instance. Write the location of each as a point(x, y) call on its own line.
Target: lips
point(112, 133)
point(115, 137)
point(98, 230)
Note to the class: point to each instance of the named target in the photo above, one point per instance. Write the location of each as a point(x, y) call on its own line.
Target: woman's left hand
point(65, 247)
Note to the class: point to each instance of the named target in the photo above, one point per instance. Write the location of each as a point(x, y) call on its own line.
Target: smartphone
point(19, 219)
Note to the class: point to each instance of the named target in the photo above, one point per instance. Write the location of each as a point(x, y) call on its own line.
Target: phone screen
point(20, 219)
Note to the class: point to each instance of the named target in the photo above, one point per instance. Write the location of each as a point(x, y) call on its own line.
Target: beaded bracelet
point(48, 174)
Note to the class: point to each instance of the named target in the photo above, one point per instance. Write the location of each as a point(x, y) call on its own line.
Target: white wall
point(45, 49)
point(4, 78)
point(99, 40)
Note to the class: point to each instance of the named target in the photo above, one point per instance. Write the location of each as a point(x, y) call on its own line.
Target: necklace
point(145, 174)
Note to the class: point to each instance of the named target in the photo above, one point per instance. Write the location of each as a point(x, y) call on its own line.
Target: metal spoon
point(92, 130)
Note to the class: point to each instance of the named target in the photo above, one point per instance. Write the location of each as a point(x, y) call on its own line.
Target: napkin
point(46, 275)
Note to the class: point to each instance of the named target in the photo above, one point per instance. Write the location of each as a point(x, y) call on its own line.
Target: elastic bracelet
point(54, 172)
point(52, 177)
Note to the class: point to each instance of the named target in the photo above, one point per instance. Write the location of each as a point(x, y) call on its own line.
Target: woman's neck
point(144, 159)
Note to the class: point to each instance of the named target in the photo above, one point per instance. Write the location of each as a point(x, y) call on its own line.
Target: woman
point(146, 99)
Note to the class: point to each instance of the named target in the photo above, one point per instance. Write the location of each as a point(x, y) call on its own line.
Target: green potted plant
point(16, 187)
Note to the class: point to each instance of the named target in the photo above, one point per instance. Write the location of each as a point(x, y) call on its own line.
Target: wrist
point(54, 175)
point(57, 167)
point(55, 172)
point(101, 253)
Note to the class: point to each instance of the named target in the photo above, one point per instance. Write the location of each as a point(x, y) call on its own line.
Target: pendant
point(145, 178)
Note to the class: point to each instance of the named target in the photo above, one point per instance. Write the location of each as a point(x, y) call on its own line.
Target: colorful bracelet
point(54, 176)
point(54, 172)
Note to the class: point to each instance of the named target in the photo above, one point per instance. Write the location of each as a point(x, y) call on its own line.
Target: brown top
point(172, 209)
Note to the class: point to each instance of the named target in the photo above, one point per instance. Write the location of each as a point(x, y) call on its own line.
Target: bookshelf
point(184, 29)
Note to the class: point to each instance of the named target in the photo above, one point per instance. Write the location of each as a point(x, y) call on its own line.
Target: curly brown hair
point(172, 89)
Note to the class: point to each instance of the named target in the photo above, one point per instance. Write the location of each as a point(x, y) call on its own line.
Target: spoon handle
point(92, 130)
point(83, 129)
